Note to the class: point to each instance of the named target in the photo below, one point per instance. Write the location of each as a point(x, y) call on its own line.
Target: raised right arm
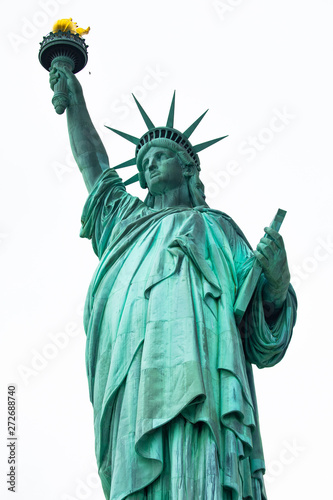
point(87, 147)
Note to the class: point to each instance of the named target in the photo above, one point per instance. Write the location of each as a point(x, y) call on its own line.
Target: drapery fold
point(163, 345)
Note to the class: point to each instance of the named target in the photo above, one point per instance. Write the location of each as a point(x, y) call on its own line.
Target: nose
point(152, 164)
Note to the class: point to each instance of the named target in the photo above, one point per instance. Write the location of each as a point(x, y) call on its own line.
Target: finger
point(277, 238)
point(53, 81)
point(265, 250)
point(54, 78)
point(270, 243)
point(54, 73)
point(261, 259)
point(60, 72)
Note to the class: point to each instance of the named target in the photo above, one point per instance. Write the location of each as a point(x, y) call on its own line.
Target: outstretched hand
point(272, 257)
point(74, 88)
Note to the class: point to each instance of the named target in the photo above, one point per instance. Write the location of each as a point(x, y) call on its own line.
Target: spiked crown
point(167, 137)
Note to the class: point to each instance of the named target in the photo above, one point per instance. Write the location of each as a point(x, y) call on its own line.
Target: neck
point(176, 197)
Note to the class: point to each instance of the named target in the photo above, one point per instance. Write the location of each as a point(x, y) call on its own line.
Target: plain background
point(264, 70)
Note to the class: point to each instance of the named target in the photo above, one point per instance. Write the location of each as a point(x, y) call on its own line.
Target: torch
point(64, 47)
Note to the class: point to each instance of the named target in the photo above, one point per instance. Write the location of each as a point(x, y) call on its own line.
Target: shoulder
point(109, 201)
point(229, 226)
point(110, 192)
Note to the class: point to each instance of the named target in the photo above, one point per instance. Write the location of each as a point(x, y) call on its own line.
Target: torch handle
point(60, 99)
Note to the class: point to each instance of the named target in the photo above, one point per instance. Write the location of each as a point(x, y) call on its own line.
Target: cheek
point(175, 171)
point(177, 176)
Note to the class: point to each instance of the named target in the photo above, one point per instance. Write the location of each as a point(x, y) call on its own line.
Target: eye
point(163, 156)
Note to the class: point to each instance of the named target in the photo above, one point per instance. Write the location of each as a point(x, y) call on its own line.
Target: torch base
point(63, 44)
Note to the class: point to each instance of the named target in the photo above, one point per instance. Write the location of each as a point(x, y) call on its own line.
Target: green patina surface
point(169, 370)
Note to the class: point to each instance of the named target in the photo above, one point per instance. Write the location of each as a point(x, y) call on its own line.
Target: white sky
point(264, 70)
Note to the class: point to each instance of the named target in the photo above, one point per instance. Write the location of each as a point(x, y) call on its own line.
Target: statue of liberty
point(169, 369)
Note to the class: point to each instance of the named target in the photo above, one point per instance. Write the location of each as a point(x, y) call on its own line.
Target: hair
point(191, 174)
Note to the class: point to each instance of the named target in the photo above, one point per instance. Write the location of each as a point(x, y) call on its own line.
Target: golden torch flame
point(69, 25)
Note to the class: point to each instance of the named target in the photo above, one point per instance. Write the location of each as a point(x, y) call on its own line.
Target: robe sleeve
point(265, 342)
point(106, 206)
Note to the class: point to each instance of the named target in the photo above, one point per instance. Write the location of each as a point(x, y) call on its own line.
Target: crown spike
point(144, 115)
point(127, 163)
point(128, 137)
point(204, 145)
point(131, 180)
point(194, 125)
point(171, 112)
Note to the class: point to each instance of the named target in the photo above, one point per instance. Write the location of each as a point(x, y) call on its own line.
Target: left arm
point(267, 325)
point(272, 257)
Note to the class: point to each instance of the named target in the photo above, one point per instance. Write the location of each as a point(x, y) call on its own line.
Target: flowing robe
point(169, 372)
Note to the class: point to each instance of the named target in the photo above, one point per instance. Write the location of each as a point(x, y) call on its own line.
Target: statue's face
point(162, 170)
